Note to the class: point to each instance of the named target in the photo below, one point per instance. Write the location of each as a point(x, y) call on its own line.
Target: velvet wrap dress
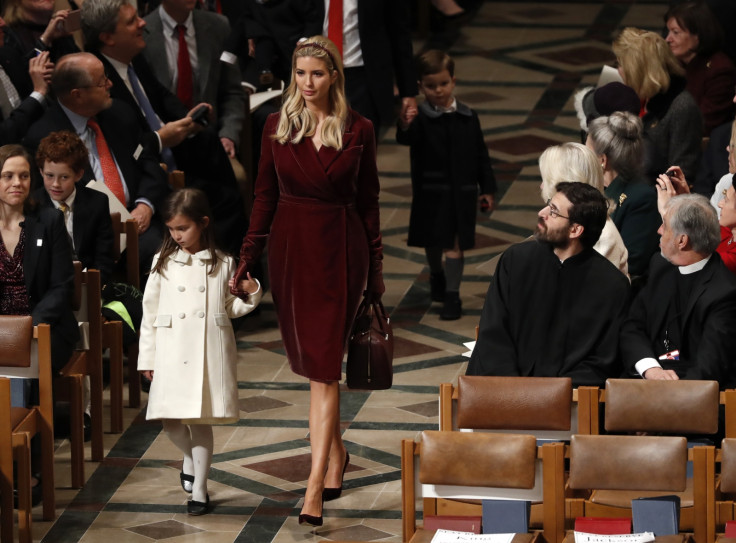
point(318, 210)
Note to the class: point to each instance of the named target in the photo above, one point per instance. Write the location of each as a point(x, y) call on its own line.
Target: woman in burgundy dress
point(316, 202)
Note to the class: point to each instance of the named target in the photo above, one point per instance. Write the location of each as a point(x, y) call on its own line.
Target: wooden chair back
point(86, 362)
point(25, 422)
point(541, 405)
point(672, 407)
point(129, 229)
point(640, 464)
point(463, 465)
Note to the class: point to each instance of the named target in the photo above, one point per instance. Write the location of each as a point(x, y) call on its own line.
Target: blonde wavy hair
point(296, 121)
point(646, 61)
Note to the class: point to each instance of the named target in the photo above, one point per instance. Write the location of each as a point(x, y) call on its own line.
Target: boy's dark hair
point(589, 209)
point(433, 62)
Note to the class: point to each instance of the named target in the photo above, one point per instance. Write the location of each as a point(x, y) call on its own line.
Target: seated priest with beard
point(555, 306)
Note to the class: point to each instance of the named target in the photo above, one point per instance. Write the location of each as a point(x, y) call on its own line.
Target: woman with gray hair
point(617, 142)
point(576, 163)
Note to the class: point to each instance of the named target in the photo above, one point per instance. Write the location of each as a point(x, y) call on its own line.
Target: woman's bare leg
point(324, 418)
point(333, 478)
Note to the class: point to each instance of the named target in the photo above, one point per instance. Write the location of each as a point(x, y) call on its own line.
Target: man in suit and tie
point(681, 325)
point(109, 131)
point(113, 31)
point(375, 41)
point(184, 49)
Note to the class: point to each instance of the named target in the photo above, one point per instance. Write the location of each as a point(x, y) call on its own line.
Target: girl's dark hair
point(191, 203)
point(10, 151)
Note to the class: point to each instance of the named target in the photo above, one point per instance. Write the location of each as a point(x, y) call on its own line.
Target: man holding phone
point(113, 31)
point(19, 106)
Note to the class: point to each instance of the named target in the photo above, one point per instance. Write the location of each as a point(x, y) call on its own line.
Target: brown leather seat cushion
point(514, 403)
point(478, 459)
point(16, 332)
point(629, 406)
point(628, 463)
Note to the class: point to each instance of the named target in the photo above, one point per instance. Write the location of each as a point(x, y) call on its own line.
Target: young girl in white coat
point(187, 344)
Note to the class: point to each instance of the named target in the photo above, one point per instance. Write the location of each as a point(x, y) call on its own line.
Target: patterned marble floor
point(518, 64)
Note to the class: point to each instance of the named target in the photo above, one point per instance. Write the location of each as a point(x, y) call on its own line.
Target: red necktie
point(107, 163)
point(334, 24)
point(184, 66)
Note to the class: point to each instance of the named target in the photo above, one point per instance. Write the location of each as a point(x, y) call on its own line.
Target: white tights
point(196, 443)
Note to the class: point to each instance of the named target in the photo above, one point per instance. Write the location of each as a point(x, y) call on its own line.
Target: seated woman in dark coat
point(695, 38)
point(673, 125)
point(36, 272)
point(617, 141)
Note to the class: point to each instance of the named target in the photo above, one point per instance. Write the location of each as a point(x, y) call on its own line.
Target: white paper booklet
point(449, 536)
point(469, 345)
point(645, 537)
point(116, 206)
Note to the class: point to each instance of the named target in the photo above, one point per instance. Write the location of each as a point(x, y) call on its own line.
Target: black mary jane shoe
point(329, 494)
point(187, 481)
point(195, 508)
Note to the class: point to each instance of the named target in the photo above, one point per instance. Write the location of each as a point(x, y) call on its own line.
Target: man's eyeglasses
point(102, 84)
point(553, 212)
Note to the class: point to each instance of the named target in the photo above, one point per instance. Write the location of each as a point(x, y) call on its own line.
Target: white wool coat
point(187, 339)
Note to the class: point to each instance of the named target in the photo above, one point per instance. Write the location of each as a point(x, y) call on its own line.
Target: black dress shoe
point(87, 428)
point(329, 494)
point(195, 508)
point(452, 308)
point(187, 481)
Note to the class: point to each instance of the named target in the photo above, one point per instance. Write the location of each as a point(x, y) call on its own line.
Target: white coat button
point(186, 362)
point(201, 288)
point(200, 314)
point(181, 288)
point(182, 315)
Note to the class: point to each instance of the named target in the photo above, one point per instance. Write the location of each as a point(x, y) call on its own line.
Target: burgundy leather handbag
point(370, 348)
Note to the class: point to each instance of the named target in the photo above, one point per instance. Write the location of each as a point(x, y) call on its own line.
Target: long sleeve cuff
point(646, 364)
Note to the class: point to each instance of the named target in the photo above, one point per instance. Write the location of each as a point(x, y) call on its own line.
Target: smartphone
point(72, 23)
point(199, 115)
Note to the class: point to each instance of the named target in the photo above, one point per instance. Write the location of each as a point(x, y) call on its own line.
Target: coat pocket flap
point(221, 319)
point(162, 321)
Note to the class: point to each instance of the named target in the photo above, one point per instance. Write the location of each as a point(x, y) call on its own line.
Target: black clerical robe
point(547, 318)
point(700, 322)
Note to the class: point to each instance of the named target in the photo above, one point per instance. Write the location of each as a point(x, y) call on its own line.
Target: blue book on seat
point(660, 515)
point(506, 516)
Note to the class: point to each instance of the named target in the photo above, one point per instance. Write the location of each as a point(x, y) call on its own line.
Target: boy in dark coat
point(449, 162)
